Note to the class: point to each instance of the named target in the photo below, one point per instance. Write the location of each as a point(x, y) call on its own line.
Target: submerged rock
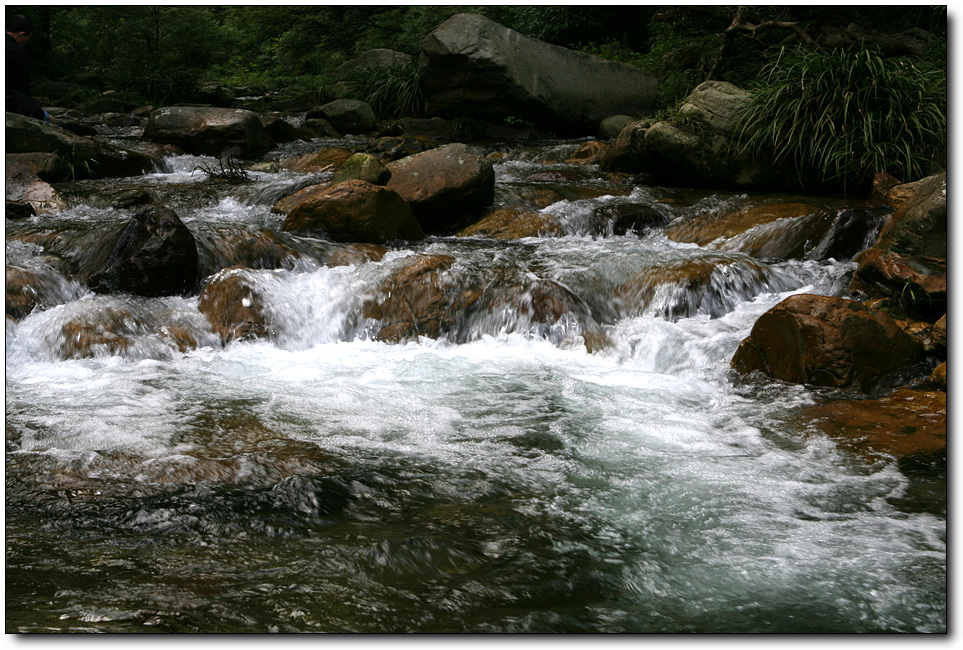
point(232, 303)
point(826, 341)
point(513, 223)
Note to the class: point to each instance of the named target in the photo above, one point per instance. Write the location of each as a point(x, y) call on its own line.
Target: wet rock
point(86, 157)
point(909, 259)
point(363, 167)
point(246, 246)
point(232, 303)
point(216, 94)
point(827, 341)
point(28, 289)
point(513, 223)
point(26, 192)
point(317, 127)
point(622, 218)
point(130, 199)
point(471, 66)
point(903, 424)
point(15, 210)
point(288, 203)
point(588, 153)
point(327, 159)
point(444, 186)
point(349, 116)
point(280, 130)
point(419, 299)
point(154, 255)
point(356, 211)
point(220, 132)
point(782, 229)
point(393, 148)
point(707, 285)
point(938, 376)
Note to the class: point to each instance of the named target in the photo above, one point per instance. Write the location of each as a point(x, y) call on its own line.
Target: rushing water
point(500, 479)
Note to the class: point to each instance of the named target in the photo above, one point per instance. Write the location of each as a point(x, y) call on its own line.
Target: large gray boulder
point(346, 115)
point(473, 67)
point(208, 131)
point(697, 148)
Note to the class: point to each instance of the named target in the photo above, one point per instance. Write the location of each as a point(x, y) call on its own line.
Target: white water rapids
point(510, 481)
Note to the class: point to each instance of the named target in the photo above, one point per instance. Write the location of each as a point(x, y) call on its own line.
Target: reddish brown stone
point(329, 159)
point(232, 305)
point(513, 223)
point(904, 423)
point(826, 341)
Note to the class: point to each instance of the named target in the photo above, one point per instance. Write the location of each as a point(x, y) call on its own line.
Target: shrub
point(392, 91)
point(846, 115)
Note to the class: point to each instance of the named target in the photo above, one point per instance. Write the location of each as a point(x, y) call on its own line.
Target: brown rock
point(826, 341)
point(513, 223)
point(588, 153)
point(444, 185)
point(419, 300)
point(329, 159)
point(233, 306)
point(938, 376)
point(908, 422)
point(288, 203)
point(356, 211)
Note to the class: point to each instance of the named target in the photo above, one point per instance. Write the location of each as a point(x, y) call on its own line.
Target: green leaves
point(846, 115)
point(391, 91)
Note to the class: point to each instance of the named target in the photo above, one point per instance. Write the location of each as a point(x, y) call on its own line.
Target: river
point(502, 478)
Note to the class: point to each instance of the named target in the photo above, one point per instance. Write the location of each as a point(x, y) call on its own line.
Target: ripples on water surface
point(323, 481)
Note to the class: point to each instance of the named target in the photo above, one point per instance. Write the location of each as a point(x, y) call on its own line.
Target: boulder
point(280, 130)
point(363, 167)
point(288, 203)
point(26, 188)
point(473, 67)
point(30, 287)
point(232, 304)
point(221, 132)
point(85, 157)
point(588, 153)
point(349, 116)
point(316, 127)
point(444, 186)
point(154, 255)
point(694, 149)
point(217, 94)
point(376, 58)
point(909, 259)
point(826, 341)
point(356, 211)
point(513, 223)
point(610, 127)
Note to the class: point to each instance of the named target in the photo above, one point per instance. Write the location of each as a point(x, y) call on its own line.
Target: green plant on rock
point(391, 91)
point(846, 115)
point(78, 164)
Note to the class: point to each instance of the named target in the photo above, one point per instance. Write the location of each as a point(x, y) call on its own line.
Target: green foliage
point(79, 165)
point(391, 91)
point(846, 115)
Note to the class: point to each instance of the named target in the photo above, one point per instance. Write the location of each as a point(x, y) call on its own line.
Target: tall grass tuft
point(846, 115)
point(391, 91)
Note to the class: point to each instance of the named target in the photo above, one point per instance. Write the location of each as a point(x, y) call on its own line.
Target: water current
point(501, 478)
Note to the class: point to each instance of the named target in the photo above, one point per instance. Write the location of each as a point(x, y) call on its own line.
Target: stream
point(499, 478)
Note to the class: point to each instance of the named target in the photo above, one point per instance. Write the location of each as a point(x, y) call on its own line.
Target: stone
point(232, 303)
point(610, 127)
point(85, 157)
point(588, 153)
point(363, 167)
point(827, 341)
point(25, 189)
point(349, 116)
point(513, 223)
point(327, 159)
point(905, 423)
point(199, 130)
point(154, 255)
point(393, 148)
point(473, 67)
point(356, 211)
point(444, 186)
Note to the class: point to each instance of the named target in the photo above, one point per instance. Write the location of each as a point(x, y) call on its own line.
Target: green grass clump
point(391, 91)
point(846, 115)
